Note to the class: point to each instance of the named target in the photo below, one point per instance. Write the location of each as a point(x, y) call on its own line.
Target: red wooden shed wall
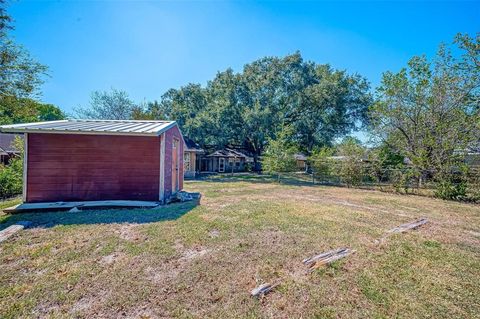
point(74, 167)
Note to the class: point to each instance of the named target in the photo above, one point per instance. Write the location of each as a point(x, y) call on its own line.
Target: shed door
point(175, 171)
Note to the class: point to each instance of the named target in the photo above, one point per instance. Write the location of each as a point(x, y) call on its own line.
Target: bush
point(279, 154)
point(404, 179)
point(350, 171)
point(473, 186)
point(451, 186)
point(11, 178)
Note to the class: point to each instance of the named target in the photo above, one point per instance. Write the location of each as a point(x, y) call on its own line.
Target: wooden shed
point(94, 160)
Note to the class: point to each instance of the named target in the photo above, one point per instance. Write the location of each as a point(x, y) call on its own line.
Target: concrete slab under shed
point(29, 207)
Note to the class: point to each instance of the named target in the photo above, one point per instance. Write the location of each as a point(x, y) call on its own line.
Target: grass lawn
point(202, 261)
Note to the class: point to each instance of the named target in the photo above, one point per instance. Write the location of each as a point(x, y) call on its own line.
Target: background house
point(7, 149)
point(88, 160)
point(226, 160)
point(301, 161)
point(192, 158)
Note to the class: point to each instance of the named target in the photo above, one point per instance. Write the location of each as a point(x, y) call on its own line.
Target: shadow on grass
point(100, 216)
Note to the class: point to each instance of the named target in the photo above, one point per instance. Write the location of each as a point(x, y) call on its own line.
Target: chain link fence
point(459, 183)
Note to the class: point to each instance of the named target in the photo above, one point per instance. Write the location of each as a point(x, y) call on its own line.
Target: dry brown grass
point(203, 261)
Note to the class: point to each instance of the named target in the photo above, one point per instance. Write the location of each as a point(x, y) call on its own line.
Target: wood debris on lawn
point(263, 289)
point(11, 230)
point(326, 258)
point(403, 228)
point(413, 225)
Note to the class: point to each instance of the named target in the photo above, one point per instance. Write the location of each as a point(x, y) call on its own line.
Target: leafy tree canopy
point(249, 108)
point(110, 105)
point(430, 110)
point(20, 80)
point(20, 74)
point(21, 110)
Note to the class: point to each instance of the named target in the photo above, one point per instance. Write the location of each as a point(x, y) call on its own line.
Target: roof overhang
point(57, 127)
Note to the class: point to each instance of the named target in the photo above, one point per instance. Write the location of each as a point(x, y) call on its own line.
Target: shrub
point(404, 179)
point(451, 185)
point(279, 154)
point(473, 186)
point(11, 178)
point(321, 164)
point(351, 167)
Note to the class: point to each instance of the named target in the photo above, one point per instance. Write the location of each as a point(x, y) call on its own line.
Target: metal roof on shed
point(106, 127)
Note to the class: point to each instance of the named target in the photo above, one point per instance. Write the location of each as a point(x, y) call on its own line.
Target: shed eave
point(19, 128)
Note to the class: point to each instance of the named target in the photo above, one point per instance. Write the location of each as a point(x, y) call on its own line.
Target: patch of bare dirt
point(193, 253)
point(214, 233)
point(129, 232)
point(112, 258)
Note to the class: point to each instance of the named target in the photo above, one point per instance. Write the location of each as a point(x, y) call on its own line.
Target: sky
point(147, 47)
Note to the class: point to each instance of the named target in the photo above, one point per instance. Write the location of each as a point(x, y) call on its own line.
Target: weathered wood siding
point(73, 167)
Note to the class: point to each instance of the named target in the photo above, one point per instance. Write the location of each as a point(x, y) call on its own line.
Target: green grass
point(190, 261)
point(10, 202)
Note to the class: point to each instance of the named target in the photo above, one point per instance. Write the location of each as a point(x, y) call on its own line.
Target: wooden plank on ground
point(412, 225)
point(263, 289)
point(11, 230)
point(326, 258)
point(403, 228)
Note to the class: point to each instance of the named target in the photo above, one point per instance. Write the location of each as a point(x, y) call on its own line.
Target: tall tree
point(112, 105)
point(247, 109)
point(20, 110)
point(20, 80)
point(20, 74)
point(430, 110)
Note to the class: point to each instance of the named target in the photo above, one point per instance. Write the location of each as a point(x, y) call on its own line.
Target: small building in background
point(192, 157)
point(301, 161)
point(98, 160)
point(7, 148)
point(226, 160)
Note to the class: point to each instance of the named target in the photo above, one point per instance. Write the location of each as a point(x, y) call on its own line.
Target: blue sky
point(146, 48)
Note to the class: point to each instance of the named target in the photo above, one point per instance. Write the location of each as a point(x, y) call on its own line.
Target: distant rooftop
point(107, 127)
point(6, 144)
point(300, 157)
point(192, 146)
point(228, 152)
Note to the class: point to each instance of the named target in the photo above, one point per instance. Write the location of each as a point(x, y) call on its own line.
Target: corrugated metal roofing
point(115, 127)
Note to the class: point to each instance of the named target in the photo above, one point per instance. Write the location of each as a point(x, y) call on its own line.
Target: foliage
point(405, 178)
point(321, 162)
point(20, 110)
point(430, 111)
point(112, 105)
point(248, 109)
point(20, 80)
point(473, 185)
point(450, 187)
point(20, 74)
point(279, 154)
point(11, 176)
point(350, 167)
